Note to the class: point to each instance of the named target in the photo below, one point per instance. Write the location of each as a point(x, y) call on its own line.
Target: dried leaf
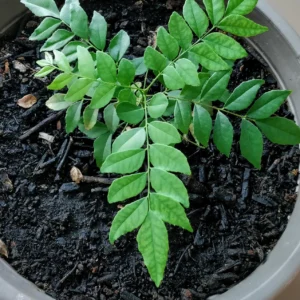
point(58, 125)
point(3, 249)
point(47, 137)
point(76, 175)
point(6, 67)
point(27, 101)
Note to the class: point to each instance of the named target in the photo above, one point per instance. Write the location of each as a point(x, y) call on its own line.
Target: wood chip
point(27, 101)
point(6, 67)
point(3, 249)
point(47, 137)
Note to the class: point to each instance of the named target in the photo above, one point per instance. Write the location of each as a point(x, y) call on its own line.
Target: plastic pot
point(280, 47)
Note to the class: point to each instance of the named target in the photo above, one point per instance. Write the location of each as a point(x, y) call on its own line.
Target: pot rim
point(280, 47)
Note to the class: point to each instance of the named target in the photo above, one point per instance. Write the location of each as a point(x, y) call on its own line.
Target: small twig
point(66, 276)
point(48, 163)
point(99, 189)
point(61, 163)
point(40, 125)
point(181, 257)
point(92, 179)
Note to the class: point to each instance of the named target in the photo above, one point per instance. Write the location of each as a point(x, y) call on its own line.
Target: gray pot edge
point(280, 47)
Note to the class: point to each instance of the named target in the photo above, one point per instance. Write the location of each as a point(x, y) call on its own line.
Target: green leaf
point(111, 118)
point(59, 38)
point(223, 134)
point(65, 13)
point(251, 143)
point(127, 187)
point(180, 30)
point(140, 67)
point(73, 116)
point(202, 125)
point(124, 162)
point(44, 71)
point(240, 7)
point(225, 96)
point(280, 130)
point(215, 10)
point(215, 86)
point(126, 72)
point(61, 61)
point(90, 116)
point(79, 21)
point(78, 89)
point(103, 94)
point(225, 46)
point(243, 95)
point(98, 31)
point(129, 140)
point(163, 133)
point(119, 45)
point(241, 26)
point(86, 64)
point(70, 50)
point(130, 113)
point(167, 43)
point(195, 17)
point(43, 8)
point(170, 211)
point(95, 132)
point(187, 71)
point(193, 92)
point(208, 58)
point(267, 104)
point(60, 81)
point(154, 60)
point(183, 115)
point(57, 102)
point(172, 79)
point(157, 105)
point(154, 246)
point(169, 159)
point(102, 148)
point(106, 67)
point(169, 185)
point(128, 218)
point(127, 95)
point(170, 109)
point(45, 29)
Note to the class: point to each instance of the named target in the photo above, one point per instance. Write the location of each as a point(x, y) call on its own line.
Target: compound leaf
point(127, 187)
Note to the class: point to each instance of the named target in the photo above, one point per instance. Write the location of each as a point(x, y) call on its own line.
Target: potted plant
point(141, 104)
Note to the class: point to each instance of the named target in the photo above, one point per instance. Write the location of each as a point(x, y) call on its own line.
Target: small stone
point(19, 66)
point(69, 187)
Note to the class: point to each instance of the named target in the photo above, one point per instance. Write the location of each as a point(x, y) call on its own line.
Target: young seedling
point(174, 91)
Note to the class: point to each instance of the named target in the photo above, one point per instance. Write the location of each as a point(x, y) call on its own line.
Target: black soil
point(57, 232)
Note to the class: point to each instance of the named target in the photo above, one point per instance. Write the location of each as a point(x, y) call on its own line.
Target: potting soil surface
point(56, 231)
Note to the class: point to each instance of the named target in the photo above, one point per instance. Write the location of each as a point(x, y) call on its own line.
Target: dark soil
point(57, 232)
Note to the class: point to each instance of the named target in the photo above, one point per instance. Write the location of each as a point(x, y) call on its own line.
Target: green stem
point(147, 145)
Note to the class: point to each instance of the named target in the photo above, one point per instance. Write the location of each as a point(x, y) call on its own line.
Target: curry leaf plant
point(138, 110)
